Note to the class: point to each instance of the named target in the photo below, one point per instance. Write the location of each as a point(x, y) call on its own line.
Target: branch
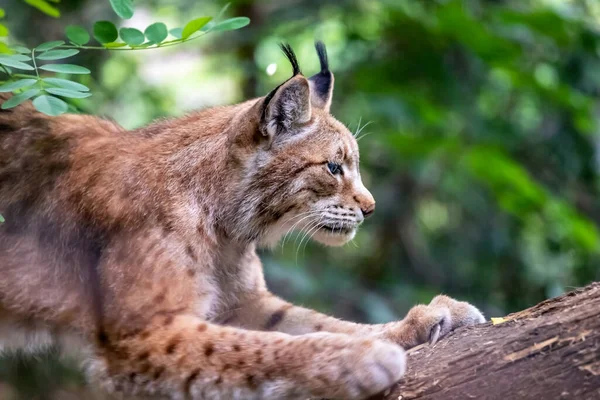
point(549, 351)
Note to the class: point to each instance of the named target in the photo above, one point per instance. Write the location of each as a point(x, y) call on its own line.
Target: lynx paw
point(358, 369)
point(434, 321)
point(381, 367)
point(461, 313)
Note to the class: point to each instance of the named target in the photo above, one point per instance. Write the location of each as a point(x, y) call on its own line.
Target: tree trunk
point(550, 351)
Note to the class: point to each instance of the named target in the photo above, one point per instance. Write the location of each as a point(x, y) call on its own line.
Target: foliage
point(3, 33)
point(123, 8)
point(45, 7)
point(46, 94)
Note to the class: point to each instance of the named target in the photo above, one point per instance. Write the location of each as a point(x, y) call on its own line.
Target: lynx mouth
point(338, 229)
point(335, 234)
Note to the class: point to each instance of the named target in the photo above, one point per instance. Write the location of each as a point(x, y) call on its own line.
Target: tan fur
point(141, 245)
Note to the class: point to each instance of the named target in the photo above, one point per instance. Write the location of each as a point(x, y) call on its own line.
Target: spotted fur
point(138, 248)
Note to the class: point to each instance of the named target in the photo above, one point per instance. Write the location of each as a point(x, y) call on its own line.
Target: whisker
point(302, 232)
point(311, 235)
point(366, 134)
point(357, 127)
point(362, 128)
point(291, 230)
point(314, 224)
point(304, 217)
point(306, 230)
point(308, 213)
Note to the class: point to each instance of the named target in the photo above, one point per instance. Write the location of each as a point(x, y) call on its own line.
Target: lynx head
point(305, 174)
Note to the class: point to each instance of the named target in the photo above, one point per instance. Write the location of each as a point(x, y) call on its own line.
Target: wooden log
point(549, 351)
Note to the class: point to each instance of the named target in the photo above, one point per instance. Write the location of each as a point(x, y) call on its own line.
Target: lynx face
point(306, 174)
point(327, 199)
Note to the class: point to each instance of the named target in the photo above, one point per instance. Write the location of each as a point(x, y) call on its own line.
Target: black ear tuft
point(291, 56)
point(293, 96)
point(322, 52)
point(321, 84)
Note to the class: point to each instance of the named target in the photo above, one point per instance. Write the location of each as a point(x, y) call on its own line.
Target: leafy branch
point(47, 92)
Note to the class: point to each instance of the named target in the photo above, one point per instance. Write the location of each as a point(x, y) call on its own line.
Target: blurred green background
point(483, 146)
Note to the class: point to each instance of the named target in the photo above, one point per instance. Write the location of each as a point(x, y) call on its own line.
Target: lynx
point(138, 249)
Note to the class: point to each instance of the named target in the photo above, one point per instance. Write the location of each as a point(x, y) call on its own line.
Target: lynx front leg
point(265, 311)
point(183, 357)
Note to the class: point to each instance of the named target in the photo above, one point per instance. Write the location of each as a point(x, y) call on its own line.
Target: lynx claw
point(434, 334)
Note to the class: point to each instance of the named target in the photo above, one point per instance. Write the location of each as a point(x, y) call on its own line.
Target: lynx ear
point(289, 104)
point(321, 84)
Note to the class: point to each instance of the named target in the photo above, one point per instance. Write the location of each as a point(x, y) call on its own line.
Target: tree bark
point(549, 351)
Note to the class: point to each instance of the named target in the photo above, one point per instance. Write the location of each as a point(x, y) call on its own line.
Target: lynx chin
point(137, 248)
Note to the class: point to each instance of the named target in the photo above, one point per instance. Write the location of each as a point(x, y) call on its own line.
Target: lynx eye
point(335, 168)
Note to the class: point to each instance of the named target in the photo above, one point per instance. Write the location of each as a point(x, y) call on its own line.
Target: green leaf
point(68, 93)
point(156, 32)
point(67, 84)
point(9, 62)
point(50, 105)
point(123, 8)
point(49, 45)
point(105, 32)
point(44, 7)
point(19, 57)
point(21, 49)
point(77, 34)
point(21, 83)
point(2, 13)
point(132, 36)
point(3, 30)
point(4, 49)
point(231, 24)
point(2, 220)
point(19, 98)
point(65, 68)
point(176, 32)
point(194, 26)
point(57, 54)
point(114, 45)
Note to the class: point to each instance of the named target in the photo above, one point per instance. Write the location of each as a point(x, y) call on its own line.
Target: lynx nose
point(366, 204)
point(367, 211)
point(364, 199)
